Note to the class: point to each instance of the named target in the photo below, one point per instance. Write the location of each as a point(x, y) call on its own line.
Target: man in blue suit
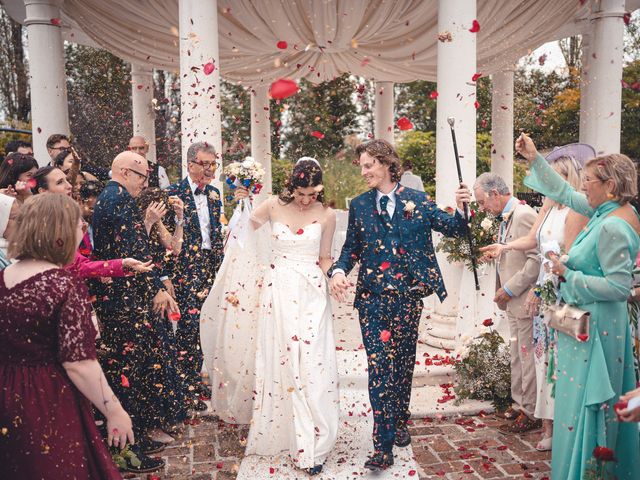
point(199, 259)
point(389, 234)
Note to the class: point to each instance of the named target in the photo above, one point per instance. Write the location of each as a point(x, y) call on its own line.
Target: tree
point(14, 86)
point(413, 100)
point(236, 121)
point(631, 110)
point(319, 117)
point(99, 93)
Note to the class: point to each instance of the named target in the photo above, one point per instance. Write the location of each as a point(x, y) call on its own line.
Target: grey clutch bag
point(569, 320)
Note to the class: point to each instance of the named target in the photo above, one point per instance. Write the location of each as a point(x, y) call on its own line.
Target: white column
point(502, 126)
point(587, 108)
point(142, 107)
point(383, 111)
point(199, 92)
point(605, 72)
point(456, 67)
point(47, 78)
point(261, 133)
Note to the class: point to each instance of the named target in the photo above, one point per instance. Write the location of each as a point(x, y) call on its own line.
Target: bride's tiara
point(301, 159)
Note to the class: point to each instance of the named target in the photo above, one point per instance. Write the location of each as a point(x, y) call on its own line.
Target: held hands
point(137, 266)
point(338, 286)
point(119, 429)
point(241, 193)
point(526, 147)
point(491, 251)
point(164, 304)
point(463, 195)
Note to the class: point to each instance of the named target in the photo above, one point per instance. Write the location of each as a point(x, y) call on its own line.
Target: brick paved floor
point(446, 447)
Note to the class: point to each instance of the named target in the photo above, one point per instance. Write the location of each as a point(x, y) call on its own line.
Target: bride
point(295, 389)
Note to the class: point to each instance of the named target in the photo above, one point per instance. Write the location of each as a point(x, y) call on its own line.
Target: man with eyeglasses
point(199, 259)
point(158, 175)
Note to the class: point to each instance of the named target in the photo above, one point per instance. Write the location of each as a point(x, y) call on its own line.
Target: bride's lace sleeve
point(76, 333)
point(262, 213)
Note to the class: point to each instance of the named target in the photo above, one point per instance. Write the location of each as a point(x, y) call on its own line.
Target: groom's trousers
point(390, 362)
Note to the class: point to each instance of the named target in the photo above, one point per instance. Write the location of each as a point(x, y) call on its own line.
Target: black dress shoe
point(149, 446)
point(199, 406)
point(315, 470)
point(142, 463)
point(379, 461)
point(402, 437)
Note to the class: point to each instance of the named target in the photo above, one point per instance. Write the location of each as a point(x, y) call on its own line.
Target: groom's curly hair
point(384, 152)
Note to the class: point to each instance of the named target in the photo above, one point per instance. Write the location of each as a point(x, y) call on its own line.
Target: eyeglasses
point(142, 175)
point(589, 180)
point(206, 165)
point(143, 147)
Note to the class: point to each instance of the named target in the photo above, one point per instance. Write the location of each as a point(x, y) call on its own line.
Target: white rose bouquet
point(247, 173)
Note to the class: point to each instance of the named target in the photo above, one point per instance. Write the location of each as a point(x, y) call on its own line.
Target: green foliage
point(414, 102)
point(484, 373)
point(631, 110)
point(236, 122)
point(484, 229)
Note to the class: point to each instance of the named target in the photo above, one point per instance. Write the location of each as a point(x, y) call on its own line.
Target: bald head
point(138, 144)
point(131, 171)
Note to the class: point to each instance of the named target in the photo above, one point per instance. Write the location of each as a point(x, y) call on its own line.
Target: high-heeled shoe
point(544, 445)
point(315, 470)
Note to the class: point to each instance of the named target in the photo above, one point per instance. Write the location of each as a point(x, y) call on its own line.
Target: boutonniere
point(213, 195)
point(408, 209)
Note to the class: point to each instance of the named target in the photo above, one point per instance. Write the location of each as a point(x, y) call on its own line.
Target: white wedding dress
point(297, 399)
point(267, 338)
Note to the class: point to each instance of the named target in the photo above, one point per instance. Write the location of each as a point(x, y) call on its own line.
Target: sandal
point(544, 445)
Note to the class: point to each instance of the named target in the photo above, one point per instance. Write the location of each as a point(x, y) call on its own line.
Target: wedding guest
point(56, 143)
point(89, 193)
point(70, 163)
point(138, 360)
point(630, 414)
point(199, 260)
point(409, 179)
point(517, 272)
point(18, 146)
point(15, 175)
point(157, 175)
point(592, 373)
point(49, 374)
point(51, 179)
point(558, 223)
point(9, 209)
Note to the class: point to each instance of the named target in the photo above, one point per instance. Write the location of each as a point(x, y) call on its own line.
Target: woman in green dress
point(591, 375)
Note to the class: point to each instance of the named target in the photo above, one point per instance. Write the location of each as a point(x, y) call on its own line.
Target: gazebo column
point(586, 91)
point(142, 107)
point(261, 133)
point(199, 77)
point(48, 83)
point(502, 126)
point(604, 70)
point(383, 111)
point(456, 67)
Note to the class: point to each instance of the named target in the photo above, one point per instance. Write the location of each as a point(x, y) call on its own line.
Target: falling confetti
point(475, 27)
point(283, 88)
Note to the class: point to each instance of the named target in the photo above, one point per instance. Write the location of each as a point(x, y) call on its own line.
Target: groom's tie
point(384, 200)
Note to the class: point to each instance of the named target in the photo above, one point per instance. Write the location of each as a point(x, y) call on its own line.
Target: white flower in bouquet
point(486, 224)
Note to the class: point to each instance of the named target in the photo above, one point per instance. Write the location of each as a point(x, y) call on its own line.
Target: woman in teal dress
point(591, 375)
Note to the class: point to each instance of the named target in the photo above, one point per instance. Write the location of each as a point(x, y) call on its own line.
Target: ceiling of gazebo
point(381, 39)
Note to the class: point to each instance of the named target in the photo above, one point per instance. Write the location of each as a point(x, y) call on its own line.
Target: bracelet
point(180, 223)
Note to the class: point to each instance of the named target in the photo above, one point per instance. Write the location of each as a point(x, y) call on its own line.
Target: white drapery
point(392, 40)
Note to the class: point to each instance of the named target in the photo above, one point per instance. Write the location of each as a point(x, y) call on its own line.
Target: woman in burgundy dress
point(48, 367)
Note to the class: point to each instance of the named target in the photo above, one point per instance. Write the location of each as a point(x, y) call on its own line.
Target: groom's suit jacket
point(400, 256)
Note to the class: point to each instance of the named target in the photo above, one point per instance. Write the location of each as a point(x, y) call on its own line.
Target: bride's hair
point(306, 173)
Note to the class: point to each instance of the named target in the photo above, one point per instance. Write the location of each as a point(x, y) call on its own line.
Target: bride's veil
point(228, 320)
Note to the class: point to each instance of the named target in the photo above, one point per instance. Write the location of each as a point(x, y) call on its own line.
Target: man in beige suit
point(517, 272)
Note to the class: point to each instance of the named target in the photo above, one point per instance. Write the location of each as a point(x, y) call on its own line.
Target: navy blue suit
point(194, 274)
point(138, 343)
point(398, 268)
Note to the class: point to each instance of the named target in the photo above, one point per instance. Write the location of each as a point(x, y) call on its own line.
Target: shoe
point(141, 463)
point(522, 424)
point(157, 435)
point(199, 406)
point(149, 446)
point(315, 470)
point(379, 461)
point(508, 414)
point(402, 437)
point(544, 445)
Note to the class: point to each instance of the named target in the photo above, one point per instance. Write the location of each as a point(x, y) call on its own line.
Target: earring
point(609, 195)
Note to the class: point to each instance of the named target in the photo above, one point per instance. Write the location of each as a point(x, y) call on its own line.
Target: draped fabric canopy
point(393, 40)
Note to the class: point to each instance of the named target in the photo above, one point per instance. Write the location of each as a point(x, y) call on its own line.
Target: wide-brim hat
point(579, 152)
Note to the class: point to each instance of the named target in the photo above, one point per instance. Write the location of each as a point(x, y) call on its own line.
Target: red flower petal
point(412, 473)
point(476, 104)
point(300, 231)
point(475, 27)
point(208, 68)
point(384, 266)
point(282, 45)
point(404, 123)
point(272, 470)
point(542, 58)
point(317, 134)
point(174, 316)
point(31, 183)
point(626, 18)
point(385, 335)
point(124, 381)
point(56, 22)
point(583, 338)
point(488, 322)
point(283, 88)
point(476, 76)
point(433, 95)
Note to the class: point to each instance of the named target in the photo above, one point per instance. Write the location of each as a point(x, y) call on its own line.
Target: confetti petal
point(208, 68)
point(317, 134)
point(282, 45)
point(475, 27)
point(283, 88)
point(476, 76)
point(404, 123)
point(385, 335)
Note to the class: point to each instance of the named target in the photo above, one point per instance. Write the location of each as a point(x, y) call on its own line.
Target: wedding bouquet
point(484, 230)
point(247, 173)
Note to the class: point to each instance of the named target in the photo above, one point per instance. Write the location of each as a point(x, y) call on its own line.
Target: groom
point(389, 233)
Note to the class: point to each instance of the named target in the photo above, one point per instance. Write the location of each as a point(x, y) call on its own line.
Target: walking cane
point(451, 122)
